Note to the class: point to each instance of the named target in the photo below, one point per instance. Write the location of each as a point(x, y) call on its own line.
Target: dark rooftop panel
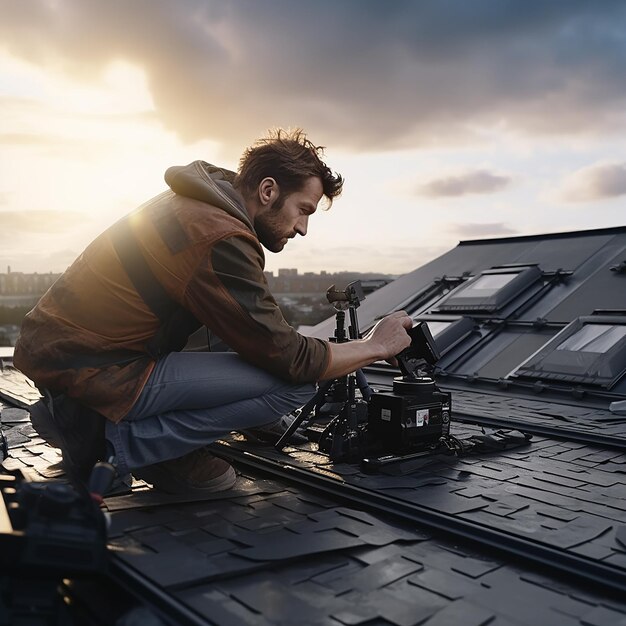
point(534, 534)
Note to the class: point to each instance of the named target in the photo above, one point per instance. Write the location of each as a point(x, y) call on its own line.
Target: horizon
point(300, 274)
point(449, 122)
point(11, 269)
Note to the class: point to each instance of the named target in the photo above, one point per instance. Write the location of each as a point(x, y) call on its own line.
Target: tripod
point(340, 436)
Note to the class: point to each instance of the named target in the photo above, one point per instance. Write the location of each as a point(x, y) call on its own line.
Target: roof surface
point(533, 534)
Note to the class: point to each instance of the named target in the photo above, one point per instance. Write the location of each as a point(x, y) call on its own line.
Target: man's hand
point(391, 335)
point(388, 338)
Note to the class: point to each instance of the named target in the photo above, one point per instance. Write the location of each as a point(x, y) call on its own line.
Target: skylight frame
point(468, 299)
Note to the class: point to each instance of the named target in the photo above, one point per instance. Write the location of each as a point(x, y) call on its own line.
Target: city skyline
point(288, 271)
point(449, 121)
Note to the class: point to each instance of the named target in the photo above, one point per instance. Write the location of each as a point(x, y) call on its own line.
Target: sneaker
point(272, 432)
point(77, 430)
point(195, 473)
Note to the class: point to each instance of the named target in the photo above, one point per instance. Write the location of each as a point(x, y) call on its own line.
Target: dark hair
point(290, 159)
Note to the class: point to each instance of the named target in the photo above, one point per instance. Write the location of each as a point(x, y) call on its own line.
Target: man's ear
point(268, 191)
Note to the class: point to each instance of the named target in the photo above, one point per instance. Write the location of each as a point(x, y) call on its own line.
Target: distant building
point(19, 283)
point(310, 283)
point(20, 289)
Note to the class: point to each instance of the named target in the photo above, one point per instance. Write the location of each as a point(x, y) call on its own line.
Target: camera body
point(414, 416)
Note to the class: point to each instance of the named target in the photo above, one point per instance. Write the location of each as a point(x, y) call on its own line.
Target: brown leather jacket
point(87, 335)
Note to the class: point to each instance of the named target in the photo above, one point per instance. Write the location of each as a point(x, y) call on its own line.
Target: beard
point(270, 229)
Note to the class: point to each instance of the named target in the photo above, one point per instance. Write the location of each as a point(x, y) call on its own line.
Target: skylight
point(488, 284)
point(491, 290)
point(589, 350)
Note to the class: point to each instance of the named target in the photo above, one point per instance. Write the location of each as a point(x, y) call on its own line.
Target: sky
point(449, 120)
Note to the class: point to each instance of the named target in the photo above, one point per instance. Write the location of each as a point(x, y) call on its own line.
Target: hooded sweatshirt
point(87, 336)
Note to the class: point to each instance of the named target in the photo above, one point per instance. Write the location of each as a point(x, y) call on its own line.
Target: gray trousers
point(193, 398)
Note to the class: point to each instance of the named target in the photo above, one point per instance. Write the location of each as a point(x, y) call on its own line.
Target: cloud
point(358, 74)
point(475, 182)
point(10, 106)
point(27, 261)
point(596, 182)
point(478, 231)
point(60, 144)
point(35, 241)
point(36, 140)
point(57, 260)
point(15, 223)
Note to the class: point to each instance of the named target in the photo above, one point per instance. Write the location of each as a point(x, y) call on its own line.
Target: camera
point(416, 414)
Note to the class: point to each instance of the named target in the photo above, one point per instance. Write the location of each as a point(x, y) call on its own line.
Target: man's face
point(285, 217)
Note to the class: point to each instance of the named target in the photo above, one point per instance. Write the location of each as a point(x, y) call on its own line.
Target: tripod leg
point(363, 385)
point(304, 413)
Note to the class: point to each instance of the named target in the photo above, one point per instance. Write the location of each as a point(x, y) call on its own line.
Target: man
point(104, 344)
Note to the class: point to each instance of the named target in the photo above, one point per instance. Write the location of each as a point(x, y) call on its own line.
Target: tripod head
point(350, 298)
